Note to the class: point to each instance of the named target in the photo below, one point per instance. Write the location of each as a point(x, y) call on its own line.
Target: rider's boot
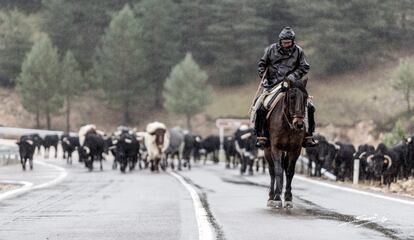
point(262, 140)
point(309, 141)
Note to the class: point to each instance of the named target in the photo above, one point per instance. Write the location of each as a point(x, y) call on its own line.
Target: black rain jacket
point(281, 63)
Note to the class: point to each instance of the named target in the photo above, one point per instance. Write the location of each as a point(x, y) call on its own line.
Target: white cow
point(157, 140)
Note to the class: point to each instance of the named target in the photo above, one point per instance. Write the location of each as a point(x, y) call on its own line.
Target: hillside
point(343, 101)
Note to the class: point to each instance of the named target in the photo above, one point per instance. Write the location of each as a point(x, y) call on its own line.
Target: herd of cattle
point(161, 147)
point(382, 164)
point(157, 147)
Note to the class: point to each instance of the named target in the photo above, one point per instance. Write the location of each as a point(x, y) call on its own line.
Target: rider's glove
point(291, 77)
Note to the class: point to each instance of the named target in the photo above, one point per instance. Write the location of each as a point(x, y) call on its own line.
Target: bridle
point(291, 115)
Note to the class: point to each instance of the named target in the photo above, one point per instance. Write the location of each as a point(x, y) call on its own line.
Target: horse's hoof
point(270, 203)
point(274, 204)
point(288, 204)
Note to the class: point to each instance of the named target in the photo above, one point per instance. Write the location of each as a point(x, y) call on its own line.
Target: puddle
point(308, 210)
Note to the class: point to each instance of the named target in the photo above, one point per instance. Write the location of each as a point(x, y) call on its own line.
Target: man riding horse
point(282, 61)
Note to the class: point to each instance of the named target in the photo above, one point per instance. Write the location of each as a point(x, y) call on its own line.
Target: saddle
point(268, 98)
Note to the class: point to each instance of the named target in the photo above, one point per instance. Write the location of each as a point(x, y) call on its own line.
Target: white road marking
point(29, 186)
point(63, 174)
point(205, 230)
point(354, 190)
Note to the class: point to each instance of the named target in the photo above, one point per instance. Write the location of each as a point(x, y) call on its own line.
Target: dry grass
point(7, 187)
point(341, 100)
point(232, 102)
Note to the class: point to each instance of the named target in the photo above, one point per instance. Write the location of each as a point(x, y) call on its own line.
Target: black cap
point(287, 33)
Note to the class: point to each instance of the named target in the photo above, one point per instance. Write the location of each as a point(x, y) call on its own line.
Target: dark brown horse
point(286, 131)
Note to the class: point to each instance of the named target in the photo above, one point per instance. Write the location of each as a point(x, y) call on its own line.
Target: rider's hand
point(291, 78)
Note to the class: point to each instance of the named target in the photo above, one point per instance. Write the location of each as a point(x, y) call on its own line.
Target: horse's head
point(296, 103)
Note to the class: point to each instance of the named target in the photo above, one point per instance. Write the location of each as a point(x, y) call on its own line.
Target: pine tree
point(120, 64)
point(39, 81)
point(78, 25)
point(72, 83)
point(236, 39)
point(403, 80)
point(193, 20)
point(185, 90)
point(160, 41)
point(15, 43)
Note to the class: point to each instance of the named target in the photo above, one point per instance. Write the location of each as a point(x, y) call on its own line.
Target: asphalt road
point(144, 205)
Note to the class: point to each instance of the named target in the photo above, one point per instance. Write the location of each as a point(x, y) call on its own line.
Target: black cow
point(26, 149)
point(344, 161)
point(245, 146)
point(230, 151)
point(409, 161)
point(386, 163)
point(211, 144)
point(109, 146)
point(51, 141)
point(321, 155)
point(365, 166)
point(192, 147)
point(127, 151)
point(401, 149)
point(92, 150)
point(38, 141)
point(69, 145)
point(189, 147)
point(198, 145)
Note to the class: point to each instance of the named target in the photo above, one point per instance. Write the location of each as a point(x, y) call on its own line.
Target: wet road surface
point(142, 205)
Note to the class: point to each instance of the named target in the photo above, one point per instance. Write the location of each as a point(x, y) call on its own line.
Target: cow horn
point(246, 135)
point(362, 154)
point(389, 160)
point(369, 158)
point(87, 150)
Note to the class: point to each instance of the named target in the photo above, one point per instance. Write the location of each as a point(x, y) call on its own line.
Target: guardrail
point(9, 132)
point(9, 154)
point(17, 132)
point(303, 165)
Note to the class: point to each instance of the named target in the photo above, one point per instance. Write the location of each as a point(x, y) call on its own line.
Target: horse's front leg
point(289, 168)
point(277, 166)
point(269, 159)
